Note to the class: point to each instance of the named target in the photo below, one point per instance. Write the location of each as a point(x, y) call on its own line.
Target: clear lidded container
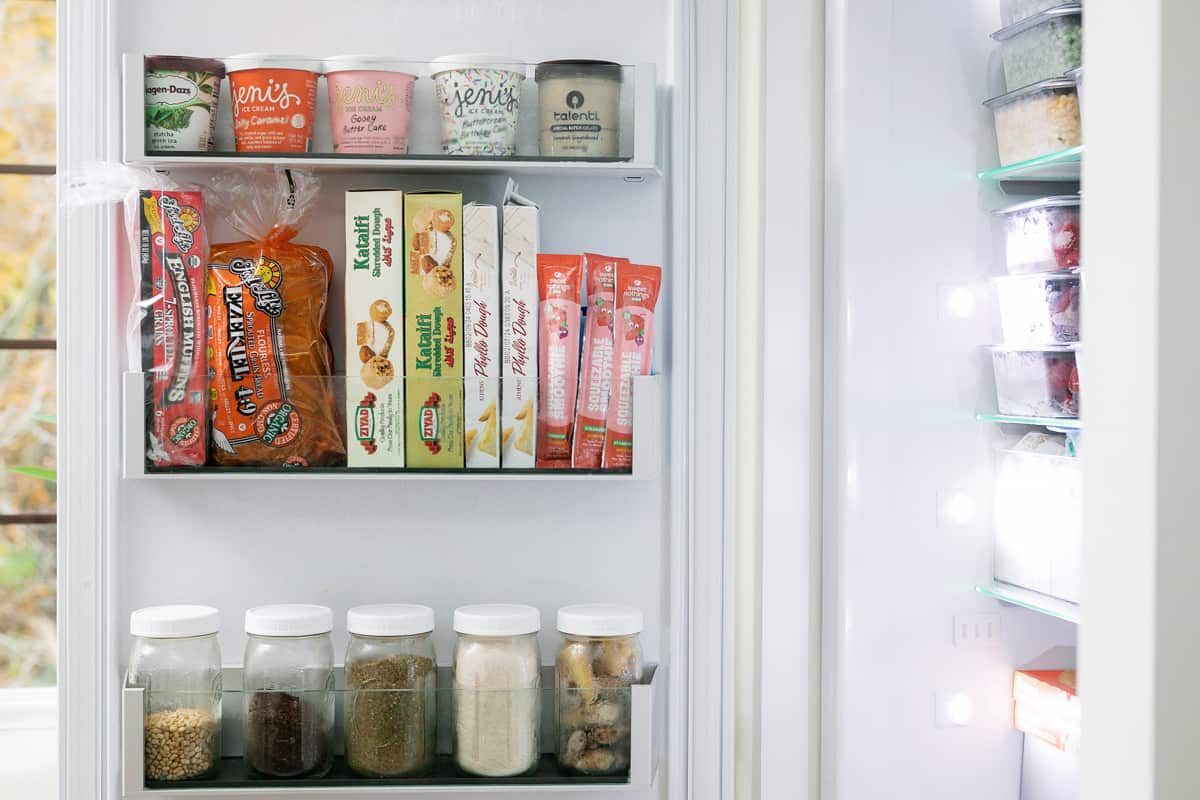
point(1042, 235)
point(1037, 381)
point(600, 658)
point(1039, 308)
point(1036, 120)
point(1016, 10)
point(1077, 76)
point(1046, 45)
point(391, 691)
point(497, 689)
point(288, 699)
point(176, 659)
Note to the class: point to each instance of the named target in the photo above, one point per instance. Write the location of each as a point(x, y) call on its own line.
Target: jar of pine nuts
point(176, 660)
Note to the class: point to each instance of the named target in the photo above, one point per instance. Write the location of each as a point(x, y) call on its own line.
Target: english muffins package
point(272, 398)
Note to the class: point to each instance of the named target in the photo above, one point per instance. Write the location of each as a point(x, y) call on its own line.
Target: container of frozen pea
point(479, 97)
point(1036, 120)
point(1046, 45)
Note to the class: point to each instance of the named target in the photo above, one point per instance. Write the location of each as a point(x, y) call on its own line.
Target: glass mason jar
point(600, 657)
point(391, 691)
point(497, 689)
point(176, 659)
point(287, 698)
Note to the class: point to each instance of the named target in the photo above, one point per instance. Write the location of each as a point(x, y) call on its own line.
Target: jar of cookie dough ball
point(600, 657)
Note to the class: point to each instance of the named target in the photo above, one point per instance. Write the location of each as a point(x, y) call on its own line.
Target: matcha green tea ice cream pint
point(579, 108)
point(181, 102)
point(479, 97)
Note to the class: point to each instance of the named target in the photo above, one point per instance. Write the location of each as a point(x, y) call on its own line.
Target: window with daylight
point(27, 396)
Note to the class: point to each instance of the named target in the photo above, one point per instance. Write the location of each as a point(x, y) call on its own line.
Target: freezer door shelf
point(233, 781)
point(638, 148)
point(649, 443)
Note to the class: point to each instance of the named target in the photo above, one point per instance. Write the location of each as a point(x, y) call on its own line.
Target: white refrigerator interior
point(912, 709)
point(239, 541)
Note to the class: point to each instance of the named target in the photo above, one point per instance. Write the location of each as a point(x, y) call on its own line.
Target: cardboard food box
point(481, 335)
point(433, 336)
point(374, 327)
point(1046, 706)
point(518, 332)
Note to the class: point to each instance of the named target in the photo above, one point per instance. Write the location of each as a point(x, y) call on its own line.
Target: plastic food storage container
point(370, 103)
point(497, 689)
point(1036, 121)
point(288, 702)
point(1037, 515)
point(1016, 10)
point(1043, 46)
point(1077, 76)
point(274, 102)
point(176, 658)
point(1041, 235)
point(600, 657)
point(181, 102)
point(479, 97)
point(391, 691)
point(579, 103)
point(1036, 381)
point(1040, 308)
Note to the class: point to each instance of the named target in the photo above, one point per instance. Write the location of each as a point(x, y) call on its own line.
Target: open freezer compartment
point(233, 776)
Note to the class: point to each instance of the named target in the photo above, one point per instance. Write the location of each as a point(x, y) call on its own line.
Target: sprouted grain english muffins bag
point(273, 401)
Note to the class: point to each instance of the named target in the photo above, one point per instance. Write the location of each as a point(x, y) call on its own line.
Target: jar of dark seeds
point(600, 658)
point(288, 699)
point(176, 659)
point(391, 691)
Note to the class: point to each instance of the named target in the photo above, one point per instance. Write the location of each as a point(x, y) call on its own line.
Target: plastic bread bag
point(161, 257)
point(273, 400)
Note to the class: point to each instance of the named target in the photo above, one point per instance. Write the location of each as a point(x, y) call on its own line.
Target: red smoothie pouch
point(595, 371)
point(559, 278)
point(633, 330)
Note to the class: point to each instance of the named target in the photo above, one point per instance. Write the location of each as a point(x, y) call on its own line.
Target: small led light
point(960, 708)
point(961, 302)
point(959, 508)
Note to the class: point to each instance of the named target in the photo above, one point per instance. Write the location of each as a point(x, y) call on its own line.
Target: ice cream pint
point(596, 365)
point(374, 284)
point(479, 97)
point(518, 331)
point(637, 295)
point(433, 316)
point(274, 102)
point(181, 102)
point(579, 104)
point(481, 336)
point(559, 278)
point(370, 102)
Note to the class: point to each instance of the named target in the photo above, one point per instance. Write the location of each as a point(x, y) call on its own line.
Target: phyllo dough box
point(433, 318)
point(518, 332)
point(374, 327)
point(481, 336)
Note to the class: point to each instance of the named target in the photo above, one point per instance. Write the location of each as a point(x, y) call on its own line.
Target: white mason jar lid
point(599, 619)
point(497, 619)
point(389, 619)
point(289, 619)
point(272, 61)
point(476, 61)
point(356, 63)
point(174, 622)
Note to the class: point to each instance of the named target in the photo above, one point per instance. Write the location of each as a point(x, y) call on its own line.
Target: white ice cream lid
point(353, 63)
point(497, 619)
point(289, 619)
point(599, 619)
point(174, 622)
point(468, 60)
point(389, 619)
point(272, 61)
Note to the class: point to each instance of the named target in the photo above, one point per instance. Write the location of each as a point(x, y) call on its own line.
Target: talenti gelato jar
point(274, 102)
point(479, 97)
point(370, 102)
point(181, 102)
point(580, 108)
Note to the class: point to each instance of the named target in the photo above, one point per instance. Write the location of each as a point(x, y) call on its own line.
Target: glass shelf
point(1031, 600)
point(1053, 423)
point(1061, 166)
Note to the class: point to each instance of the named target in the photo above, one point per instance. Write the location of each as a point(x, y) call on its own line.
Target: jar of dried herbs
point(391, 691)
point(288, 690)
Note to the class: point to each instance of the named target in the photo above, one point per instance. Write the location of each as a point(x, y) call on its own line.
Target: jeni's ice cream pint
point(633, 329)
point(274, 102)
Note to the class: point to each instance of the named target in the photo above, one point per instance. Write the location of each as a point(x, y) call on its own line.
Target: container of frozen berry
point(1039, 308)
point(1037, 381)
point(1041, 235)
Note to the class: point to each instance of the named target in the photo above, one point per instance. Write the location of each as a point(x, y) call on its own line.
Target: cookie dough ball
point(443, 220)
point(380, 310)
point(378, 372)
